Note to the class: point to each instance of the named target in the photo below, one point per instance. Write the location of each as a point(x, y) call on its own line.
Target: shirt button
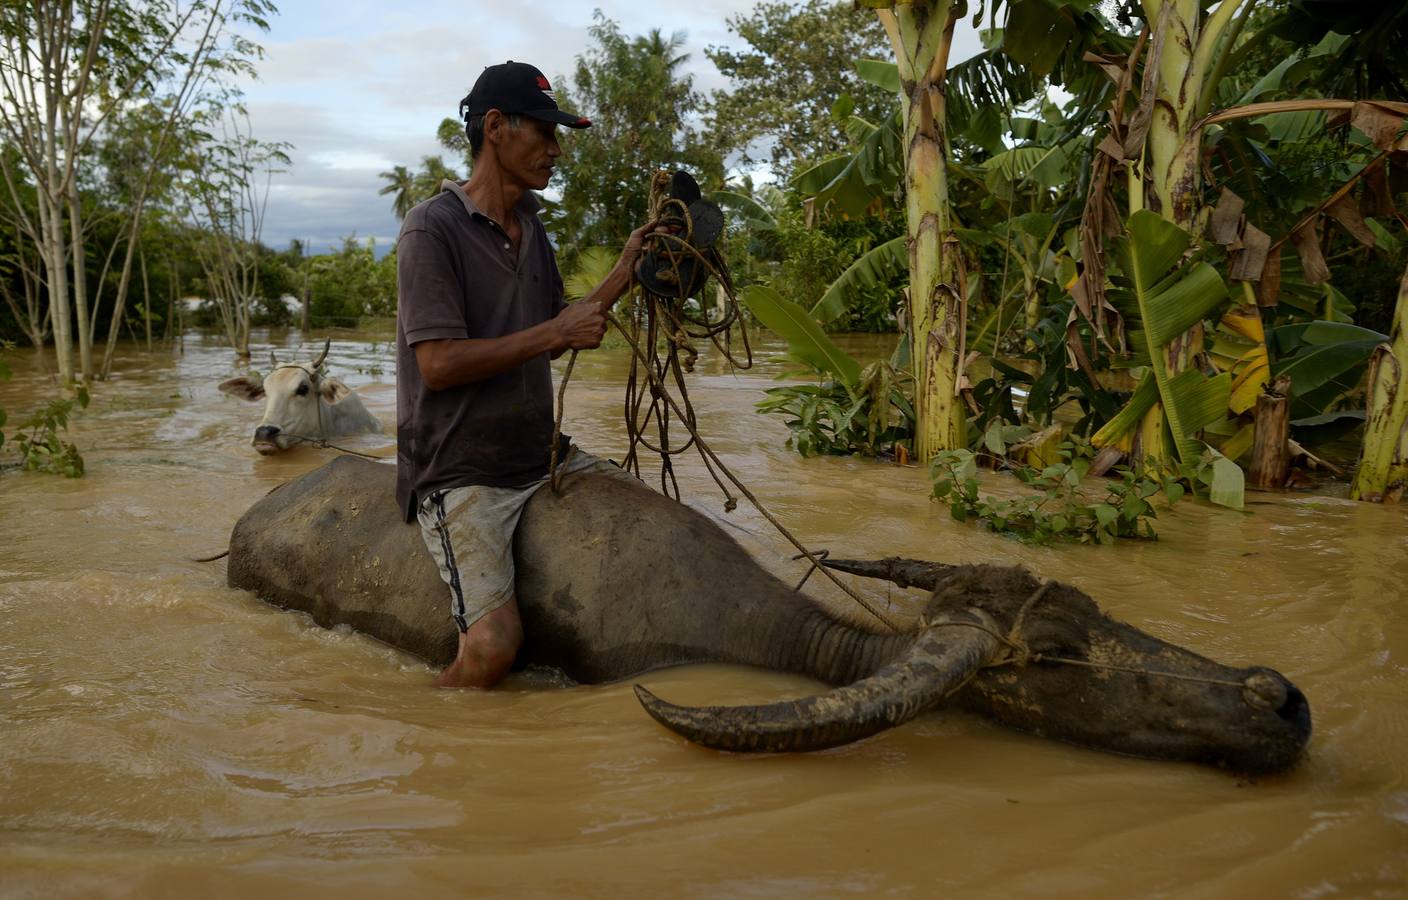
point(506, 246)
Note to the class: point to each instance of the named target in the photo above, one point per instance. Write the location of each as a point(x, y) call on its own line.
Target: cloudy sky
point(357, 87)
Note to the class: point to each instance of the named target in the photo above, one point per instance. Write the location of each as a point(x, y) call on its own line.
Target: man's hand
point(631, 252)
point(619, 279)
point(580, 326)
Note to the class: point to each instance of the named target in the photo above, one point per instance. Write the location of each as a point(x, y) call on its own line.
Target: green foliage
point(793, 81)
point(1042, 374)
point(1061, 508)
point(351, 283)
point(411, 188)
point(643, 110)
point(806, 263)
point(869, 417)
point(805, 339)
point(593, 265)
point(37, 439)
point(1325, 360)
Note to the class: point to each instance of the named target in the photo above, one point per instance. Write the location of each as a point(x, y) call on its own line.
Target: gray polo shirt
point(457, 277)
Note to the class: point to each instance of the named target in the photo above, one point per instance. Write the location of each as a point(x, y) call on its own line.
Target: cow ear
point(245, 387)
point(333, 390)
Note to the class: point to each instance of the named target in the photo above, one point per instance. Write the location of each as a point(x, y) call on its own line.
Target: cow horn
point(942, 658)
point(322, 356)
point(273, 360)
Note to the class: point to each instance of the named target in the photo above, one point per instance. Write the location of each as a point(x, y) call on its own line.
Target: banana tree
point(1161, 296)
point(921, 33)
point(1383, 463)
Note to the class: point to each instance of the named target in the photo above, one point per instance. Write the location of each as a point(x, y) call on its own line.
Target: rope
point(1020, 654)
point(680, 328)
point(743, 489)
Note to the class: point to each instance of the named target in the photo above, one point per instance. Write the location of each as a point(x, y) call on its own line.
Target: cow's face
point(291, 396)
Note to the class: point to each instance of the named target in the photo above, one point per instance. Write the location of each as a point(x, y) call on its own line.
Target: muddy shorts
point(469, 533)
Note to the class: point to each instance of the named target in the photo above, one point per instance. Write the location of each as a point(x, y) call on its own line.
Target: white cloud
point(357, 86)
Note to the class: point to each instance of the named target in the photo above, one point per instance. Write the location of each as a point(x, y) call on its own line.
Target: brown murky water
point(163, 735)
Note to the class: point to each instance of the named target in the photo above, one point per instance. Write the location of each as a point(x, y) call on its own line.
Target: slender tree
point(70, 67)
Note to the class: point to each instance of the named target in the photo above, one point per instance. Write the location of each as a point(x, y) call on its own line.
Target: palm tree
point(402, 183)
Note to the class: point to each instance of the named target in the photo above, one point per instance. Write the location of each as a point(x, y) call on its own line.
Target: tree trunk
point(56, 266)
point(146, 296)
point(922, 34)
point(1383, 464)
point(1271, 454)
point(80, 281)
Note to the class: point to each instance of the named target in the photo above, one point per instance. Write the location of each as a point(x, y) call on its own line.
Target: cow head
point(293, 395)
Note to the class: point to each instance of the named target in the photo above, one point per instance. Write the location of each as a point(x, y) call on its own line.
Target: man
point(479, 313)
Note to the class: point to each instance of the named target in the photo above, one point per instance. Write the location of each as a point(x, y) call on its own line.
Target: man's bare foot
point(486, 651)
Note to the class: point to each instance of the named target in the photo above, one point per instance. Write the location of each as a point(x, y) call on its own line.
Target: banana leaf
point(880, 73)
point(754, 214)
point(877, 266)
point(804, 336)
point(1170, 295)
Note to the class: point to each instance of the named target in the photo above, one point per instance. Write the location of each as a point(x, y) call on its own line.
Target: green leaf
point(876, 267)
point(810, 182)
point(1105, 514)
point(880, 73)
point(1145, 395)
point(1318, 365)
point(593, 265)
point(804, 336)
point(1170, 298)
point(755, 215)
point(1228, 484)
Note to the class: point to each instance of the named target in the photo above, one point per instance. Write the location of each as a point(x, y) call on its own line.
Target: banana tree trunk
point(1383, 463)
point(922, 34)
point(1186, 44)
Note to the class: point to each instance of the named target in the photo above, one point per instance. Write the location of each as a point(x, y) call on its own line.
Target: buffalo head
point(1042, 658)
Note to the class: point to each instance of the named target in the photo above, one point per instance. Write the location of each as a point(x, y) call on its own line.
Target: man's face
point(529, 151)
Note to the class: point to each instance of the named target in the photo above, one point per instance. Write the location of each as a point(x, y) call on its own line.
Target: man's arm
point(619, 280)
point(450, 363)
point(581, 326)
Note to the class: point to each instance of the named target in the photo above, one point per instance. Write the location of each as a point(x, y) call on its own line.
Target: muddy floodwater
point(162, 735)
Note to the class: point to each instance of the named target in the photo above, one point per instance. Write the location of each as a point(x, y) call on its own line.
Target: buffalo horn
point(942, 658)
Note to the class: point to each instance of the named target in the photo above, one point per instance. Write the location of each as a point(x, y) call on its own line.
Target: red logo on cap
point(543, 84)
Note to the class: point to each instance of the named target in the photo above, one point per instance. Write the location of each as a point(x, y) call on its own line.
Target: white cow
point(301, 405)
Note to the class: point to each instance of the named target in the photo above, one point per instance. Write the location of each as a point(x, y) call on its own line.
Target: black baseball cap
point(515, 87)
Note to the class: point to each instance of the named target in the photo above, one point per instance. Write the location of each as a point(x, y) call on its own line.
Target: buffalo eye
point(302, 390)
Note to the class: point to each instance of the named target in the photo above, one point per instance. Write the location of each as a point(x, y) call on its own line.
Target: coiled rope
point(669, 321)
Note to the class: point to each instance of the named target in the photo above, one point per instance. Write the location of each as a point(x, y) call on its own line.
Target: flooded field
point(162, 735)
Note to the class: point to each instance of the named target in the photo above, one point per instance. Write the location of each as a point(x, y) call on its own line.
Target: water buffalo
point(301, 405)
point(615, 580)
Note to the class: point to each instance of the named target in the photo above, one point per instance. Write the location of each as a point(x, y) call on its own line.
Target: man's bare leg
point(486, 650)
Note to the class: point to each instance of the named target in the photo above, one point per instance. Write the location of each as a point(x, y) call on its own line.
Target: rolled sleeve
point(431, 302)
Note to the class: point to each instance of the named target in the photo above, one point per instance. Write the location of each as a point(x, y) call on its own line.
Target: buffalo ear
point(333, 390)
point(245, 387)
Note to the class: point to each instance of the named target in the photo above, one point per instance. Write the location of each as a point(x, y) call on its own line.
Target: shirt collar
point(527, 204)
